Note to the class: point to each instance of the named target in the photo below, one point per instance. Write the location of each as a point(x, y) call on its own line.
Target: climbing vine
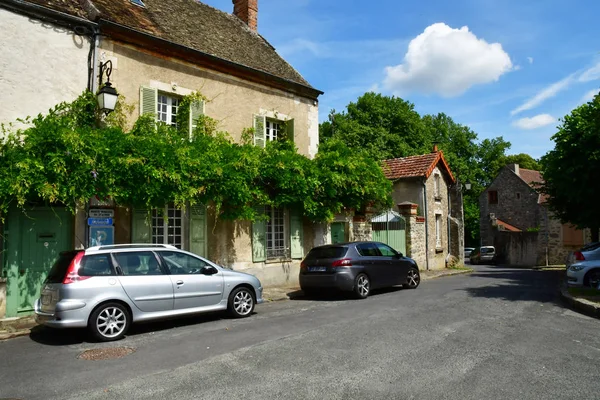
point(73, 153)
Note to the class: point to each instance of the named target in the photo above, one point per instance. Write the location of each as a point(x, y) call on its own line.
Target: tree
point(524, 161)
point(570, 170)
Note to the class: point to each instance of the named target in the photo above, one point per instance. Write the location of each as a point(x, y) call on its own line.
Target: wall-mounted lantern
point(107, 96)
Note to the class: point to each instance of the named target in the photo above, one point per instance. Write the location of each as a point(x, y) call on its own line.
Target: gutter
point(129, 35)
point(47, 14)
point(426, 223)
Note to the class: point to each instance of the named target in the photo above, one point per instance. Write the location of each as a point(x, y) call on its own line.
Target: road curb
point(449, 273)
point(587, 307)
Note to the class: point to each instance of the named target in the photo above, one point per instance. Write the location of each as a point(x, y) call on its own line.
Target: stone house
point(161, 51)
point(428, 197)
point(514, 218)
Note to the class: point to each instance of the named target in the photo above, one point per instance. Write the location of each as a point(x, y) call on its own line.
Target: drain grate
point(109, 353)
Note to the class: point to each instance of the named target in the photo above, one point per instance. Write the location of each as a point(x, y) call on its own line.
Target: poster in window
point(101, 235)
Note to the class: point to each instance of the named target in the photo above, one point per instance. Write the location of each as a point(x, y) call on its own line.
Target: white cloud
point(545, 94)
point(447, 61)
point(589, 96)
point(534, 122)
point(530, 59)
point(587, 75)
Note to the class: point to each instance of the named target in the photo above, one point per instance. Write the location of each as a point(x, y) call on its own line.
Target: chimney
point(247, 11)
point(514, 168)
point(435, 148)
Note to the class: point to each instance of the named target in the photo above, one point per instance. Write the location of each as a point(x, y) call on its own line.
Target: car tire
point(362, 286)
point(241, 302)
point(413, 279)
point(592, 278)
point(109, 321)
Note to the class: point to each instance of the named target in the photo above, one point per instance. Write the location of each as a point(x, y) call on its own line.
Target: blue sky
point(507, 68)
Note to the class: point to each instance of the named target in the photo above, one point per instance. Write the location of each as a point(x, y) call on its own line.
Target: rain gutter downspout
point(426, 224)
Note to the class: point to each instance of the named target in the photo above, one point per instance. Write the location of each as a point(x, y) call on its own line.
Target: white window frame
point(272, 129)
point(438, 231)
point(164, 109)
point(169, 225)
point(277, 219)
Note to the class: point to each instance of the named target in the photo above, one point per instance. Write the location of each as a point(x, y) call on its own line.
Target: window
point(276, 233)
point(386, 250)
point(492, 197)
point(572, 236)
point(167, 109)
point(367, 250)
point(96, 265)
point(438, 230)
point(273, 128)
point(518, 196)
point(138, 263)
point(180, 263)
point(167, 226)
point(436, 187)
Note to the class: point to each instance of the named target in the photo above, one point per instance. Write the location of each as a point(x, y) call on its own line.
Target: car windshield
point(485, 250)
point(327, 252)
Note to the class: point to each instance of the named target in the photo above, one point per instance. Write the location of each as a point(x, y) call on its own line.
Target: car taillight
point(302, 265)
point(579, 256)
point(344, 262)
point(72, 274)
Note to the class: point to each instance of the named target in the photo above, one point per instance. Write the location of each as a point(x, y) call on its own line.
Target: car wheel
point(413, 279)
point(109, 322)
point(241, 302)
point(592, 278)
point(362, 286)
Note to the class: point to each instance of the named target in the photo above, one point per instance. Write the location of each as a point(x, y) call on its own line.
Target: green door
point(338, 232)
point(33, 241)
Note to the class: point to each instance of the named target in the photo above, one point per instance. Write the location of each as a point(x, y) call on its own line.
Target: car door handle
point(179, 282)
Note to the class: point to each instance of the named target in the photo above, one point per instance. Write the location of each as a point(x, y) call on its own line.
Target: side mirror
point(208, 270)
point(399, 255)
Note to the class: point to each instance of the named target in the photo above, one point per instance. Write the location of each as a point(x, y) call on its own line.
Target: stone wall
point(437, 205)
point(516, 248)
point(415, 234)
point(361, 229)
point(517, 205)
point(552, 249)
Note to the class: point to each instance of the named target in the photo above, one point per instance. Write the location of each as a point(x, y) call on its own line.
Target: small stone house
point(514, 219)
point(160, 51)
point(428, 197)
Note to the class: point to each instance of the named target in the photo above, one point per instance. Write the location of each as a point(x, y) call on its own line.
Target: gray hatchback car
point(108, 288)
point(358, 267)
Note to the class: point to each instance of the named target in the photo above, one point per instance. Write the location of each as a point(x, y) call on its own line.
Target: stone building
point(429, 198)
point(514, 218)
point(160, 51)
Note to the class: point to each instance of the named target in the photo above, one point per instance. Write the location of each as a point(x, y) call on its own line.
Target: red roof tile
point(507, 226)
point(535, 180)
point(415, 166)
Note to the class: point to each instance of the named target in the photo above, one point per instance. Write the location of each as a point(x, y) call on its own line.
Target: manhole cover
point(110, 353)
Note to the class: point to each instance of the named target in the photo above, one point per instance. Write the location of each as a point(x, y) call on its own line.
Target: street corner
point(584, 300)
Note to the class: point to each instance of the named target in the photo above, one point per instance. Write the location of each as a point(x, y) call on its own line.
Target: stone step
point(14, 324)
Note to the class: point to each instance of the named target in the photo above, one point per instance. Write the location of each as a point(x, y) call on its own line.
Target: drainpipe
point(94, 50)
point(426, 224)
point(448, 219)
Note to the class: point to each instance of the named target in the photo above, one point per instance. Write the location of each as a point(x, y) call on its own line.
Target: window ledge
point(278, 260)
point(439, 250)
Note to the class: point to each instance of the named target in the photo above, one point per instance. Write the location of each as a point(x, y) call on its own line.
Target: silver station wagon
point(107, 288)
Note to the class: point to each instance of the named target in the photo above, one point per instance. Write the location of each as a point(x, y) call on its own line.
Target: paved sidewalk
point(588, 307)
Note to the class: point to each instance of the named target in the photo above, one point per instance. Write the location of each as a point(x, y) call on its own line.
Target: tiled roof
point(415, 166)
point(507, 226)
point(192, 24)
point(535, 180)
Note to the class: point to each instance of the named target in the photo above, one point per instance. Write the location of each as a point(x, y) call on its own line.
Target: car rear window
point(485, 250)
point(96, 265)
point(327, 252)
point(59, 269)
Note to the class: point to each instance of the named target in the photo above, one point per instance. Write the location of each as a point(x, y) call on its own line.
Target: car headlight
point(576, 268)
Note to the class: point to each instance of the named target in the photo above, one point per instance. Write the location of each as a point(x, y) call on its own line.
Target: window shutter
point(196, 111)
point(296, 234)
point(141, 231)
point(198, 230)
point(289, 130)
point(260, 130)
point(148, 100)
point(259, 241)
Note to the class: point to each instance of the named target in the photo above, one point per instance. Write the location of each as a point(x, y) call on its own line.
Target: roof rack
point(131, 246)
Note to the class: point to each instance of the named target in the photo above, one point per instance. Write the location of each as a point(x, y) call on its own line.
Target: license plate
point(317, 269)
point(46, 299)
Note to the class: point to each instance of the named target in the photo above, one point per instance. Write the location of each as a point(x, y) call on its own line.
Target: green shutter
point(198, 230)
point(259, 241)
point(338, 232)
point(289, 130)
point(141, 231)
point(196, 111)
point(148, 100)
point(296, 234)
point(260, 130)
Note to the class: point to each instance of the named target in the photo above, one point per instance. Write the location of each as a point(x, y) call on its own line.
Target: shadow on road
point(333, 295)
point(519, 285)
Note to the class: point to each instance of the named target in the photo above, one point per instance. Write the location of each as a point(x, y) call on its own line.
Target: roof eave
point(168, 48)
point(45, 13)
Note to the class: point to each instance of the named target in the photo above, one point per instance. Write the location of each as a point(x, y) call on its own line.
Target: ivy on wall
point(74, 153)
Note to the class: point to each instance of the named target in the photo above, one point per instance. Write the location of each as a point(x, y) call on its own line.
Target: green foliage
point(570, 170)
point(524, 160)
point(73, 154)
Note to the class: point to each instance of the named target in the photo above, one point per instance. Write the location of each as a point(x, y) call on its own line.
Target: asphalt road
point(494, 334)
